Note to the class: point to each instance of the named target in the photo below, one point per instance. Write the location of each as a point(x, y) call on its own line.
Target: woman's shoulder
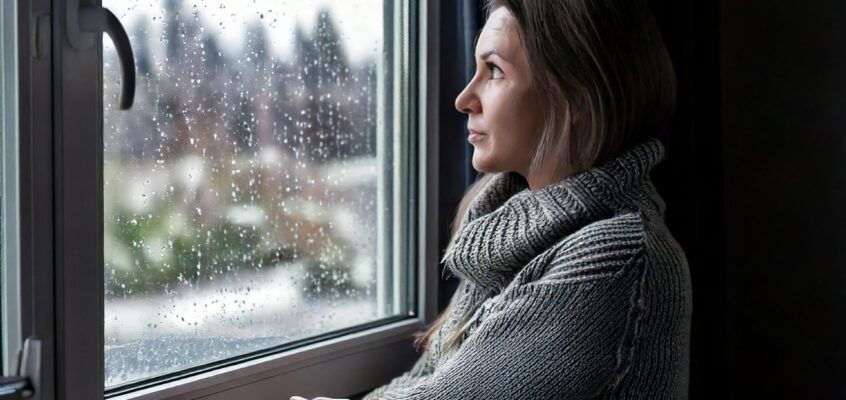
point(606, 248)
point(602, 248)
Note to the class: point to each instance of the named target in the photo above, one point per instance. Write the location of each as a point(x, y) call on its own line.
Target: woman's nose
point(467, 102)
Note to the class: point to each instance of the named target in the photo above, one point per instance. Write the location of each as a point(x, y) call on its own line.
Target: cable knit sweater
point(576, 290)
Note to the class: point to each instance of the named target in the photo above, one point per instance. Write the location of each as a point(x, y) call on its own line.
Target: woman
point(571, 285)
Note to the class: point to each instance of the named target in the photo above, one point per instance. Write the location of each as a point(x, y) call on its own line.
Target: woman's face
point(503, 113)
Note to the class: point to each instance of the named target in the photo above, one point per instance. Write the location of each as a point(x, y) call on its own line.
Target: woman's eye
point(496, 72)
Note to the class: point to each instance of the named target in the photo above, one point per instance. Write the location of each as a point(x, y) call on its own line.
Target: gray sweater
point(577, 291)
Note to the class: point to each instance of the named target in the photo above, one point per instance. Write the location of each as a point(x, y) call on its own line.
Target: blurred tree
point(304, 113)
point(324, 123)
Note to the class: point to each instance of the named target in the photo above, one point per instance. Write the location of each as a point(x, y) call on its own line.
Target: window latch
point(27, 383)
point(83, 22)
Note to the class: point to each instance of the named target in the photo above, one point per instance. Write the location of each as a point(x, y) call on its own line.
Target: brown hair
point(605, 76)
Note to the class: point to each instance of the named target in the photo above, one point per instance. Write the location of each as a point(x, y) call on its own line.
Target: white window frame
point(60, 270)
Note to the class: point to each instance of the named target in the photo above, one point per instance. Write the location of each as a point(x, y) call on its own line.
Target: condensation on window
point(241, 191)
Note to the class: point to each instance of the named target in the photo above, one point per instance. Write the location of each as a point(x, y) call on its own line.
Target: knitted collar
point(507, 224)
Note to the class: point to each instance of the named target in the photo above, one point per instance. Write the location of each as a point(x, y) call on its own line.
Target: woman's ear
point(576, 117)
point(577, 107)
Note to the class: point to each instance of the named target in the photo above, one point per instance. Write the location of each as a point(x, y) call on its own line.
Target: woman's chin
point(478, 164)
point(481, 164)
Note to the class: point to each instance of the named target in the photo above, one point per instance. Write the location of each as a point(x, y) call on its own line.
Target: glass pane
point(246, 191)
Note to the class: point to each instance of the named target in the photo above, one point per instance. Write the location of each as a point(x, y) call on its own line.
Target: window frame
point(35, 171)
point(10, 281)
point(61, 222)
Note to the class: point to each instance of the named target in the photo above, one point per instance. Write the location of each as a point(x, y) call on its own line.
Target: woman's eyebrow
point(492, 52)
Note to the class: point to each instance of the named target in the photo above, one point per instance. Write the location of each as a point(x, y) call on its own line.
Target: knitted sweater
point(577, 290)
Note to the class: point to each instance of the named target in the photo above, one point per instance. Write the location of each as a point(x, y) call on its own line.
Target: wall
point(690, 181)
point(784, 135)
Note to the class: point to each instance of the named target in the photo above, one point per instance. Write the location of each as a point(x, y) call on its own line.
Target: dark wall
point(690, 181)
point(755, 185)
point(784, 134)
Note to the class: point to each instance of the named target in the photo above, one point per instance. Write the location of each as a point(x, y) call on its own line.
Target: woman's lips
point(474, 136)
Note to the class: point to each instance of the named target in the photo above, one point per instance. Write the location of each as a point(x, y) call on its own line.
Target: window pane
point(246, 192)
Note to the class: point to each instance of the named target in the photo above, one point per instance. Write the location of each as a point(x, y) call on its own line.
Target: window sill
point(354, 363)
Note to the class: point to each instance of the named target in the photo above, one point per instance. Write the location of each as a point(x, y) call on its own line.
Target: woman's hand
point(316, 398)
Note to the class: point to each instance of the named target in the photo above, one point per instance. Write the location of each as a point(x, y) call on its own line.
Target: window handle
point(26, 384)
point(84, 22)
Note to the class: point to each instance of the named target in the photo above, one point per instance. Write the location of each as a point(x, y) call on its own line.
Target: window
point(257, 219)
point(248, 192)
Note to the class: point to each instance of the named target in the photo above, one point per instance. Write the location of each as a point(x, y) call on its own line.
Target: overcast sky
point(359, 21)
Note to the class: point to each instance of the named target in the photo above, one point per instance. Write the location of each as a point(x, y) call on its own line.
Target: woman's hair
point(604, 75)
